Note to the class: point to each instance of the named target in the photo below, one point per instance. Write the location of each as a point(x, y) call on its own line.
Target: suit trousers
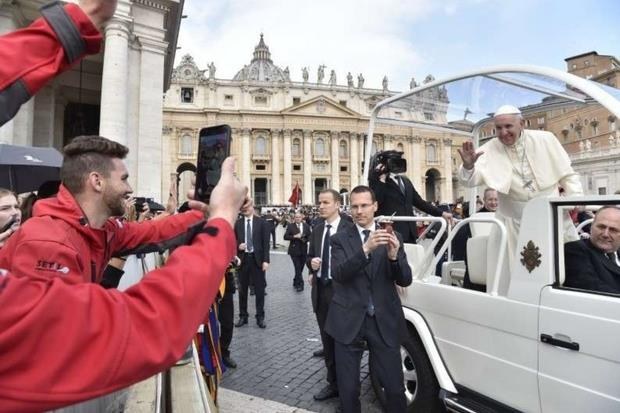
point(385, 361)
point(226, 314)
point(298, 262)
point(324, 298)
point(250, 270)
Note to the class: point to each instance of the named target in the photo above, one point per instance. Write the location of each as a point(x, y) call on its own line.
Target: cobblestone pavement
point(276, 363)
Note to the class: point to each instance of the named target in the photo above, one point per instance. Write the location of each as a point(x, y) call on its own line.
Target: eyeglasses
point(360, 207)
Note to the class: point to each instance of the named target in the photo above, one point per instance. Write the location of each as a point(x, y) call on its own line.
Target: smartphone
point(386, 225)
point(9, 224)
point(213, 147)
point(140, 201)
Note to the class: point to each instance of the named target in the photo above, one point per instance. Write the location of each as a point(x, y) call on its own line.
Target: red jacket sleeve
point(34, 55)
point(63, 343)
point(129, 235)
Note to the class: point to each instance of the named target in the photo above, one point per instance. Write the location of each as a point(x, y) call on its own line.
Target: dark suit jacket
point(297, 246)
point(316, 239)
point(260, 238)
point(587, 268)
point(391, 199)
point(355, 278)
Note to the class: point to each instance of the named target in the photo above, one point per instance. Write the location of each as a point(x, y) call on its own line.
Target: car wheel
point(421, 387)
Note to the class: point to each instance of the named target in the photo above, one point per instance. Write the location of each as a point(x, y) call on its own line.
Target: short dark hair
point(604, 207)
point(335, 194)
point(86, 154)
point(360, 189)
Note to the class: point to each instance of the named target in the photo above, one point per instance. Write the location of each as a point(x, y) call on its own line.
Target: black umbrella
point(25, 168)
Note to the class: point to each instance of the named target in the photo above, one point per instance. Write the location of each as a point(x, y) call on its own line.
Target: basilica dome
point(261, 68)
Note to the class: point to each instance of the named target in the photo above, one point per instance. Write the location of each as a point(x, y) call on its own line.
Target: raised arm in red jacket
point(109, 339)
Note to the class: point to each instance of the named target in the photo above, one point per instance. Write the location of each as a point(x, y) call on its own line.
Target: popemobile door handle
point(549, 339)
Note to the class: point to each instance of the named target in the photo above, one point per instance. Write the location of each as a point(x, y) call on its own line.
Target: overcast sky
point(397, 38)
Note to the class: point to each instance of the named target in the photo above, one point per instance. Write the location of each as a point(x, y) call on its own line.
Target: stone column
point(446, 189)
point(148, 133)
point(114, 80)
point(307, 193)
point(44, 117)
point(288, 165)
point(355, 160)
point(335, 161)
point(362, 180)
point(416, 173)
point(19, 130)
point(276, 187)
point(388, 142)
point(246, 165)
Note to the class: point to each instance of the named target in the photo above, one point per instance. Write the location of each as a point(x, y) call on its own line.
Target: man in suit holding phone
point(366, 265)
point(298, 233)
point(321, 280)
point(252, 234)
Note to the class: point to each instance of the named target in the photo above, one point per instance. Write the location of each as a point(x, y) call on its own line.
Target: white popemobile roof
point(472, 98)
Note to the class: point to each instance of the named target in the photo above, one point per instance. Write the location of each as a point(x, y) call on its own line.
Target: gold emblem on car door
point(531, 256)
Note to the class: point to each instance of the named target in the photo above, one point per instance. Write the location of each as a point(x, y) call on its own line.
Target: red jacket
point(32, 56)
point(62, 343)
point(57, 240)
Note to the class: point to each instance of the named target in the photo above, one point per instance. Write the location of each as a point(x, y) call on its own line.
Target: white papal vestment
point(535, 166)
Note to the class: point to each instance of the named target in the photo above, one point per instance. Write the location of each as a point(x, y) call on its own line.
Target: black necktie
point(370, 309)
point(248, 236)
point(366, 233)
point(325, 256)
point(401, 184)
point(611, 257)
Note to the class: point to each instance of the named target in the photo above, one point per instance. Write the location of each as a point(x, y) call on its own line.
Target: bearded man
point(74, 235)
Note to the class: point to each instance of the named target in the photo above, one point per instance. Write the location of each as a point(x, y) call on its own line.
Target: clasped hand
point(382, 237)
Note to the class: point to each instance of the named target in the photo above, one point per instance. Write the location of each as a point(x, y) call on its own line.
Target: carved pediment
point(187, 71)
point(321, 106)
point(261, 92)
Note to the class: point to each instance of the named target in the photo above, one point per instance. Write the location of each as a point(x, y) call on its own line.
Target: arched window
point(431, 153)
point(319, 147)
point(186, 145)
point(374, 147)
point(260, 146)
point(296, 149)
point(400, 147)
point(343, 151)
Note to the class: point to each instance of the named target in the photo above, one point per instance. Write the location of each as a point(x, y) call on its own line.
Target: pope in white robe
point(520, 164)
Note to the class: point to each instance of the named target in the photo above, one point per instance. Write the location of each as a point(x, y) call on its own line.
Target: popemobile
point(525, 342)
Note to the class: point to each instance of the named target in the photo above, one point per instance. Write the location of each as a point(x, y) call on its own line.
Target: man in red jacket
point(62, 343)
point(74, 234)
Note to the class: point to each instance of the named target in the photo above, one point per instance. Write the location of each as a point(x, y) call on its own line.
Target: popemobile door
point(578, 349)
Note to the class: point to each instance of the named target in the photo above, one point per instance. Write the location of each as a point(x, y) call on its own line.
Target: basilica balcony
point(264, 158)
point(321, 158)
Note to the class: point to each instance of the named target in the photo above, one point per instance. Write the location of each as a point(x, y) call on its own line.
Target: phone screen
point(213, 148)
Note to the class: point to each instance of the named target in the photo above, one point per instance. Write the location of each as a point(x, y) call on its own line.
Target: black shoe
point(251, 290)
point(261, 323)
point(326, 392)
point(242, 321)
point(319, 353)
point(228, 362)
